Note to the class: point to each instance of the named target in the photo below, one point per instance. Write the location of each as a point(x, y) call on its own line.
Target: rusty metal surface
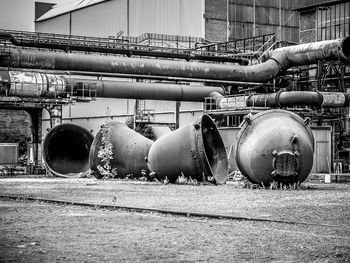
point(141, 90)
point(291, 98)
point(194, 150)
point(275, 145)
point(31, 84)
point(279, 61)
point(310, 53)
point(129, 150)
point(66, 149)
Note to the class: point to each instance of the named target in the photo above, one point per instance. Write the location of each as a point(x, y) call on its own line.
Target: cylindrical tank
point(275, 145)
point(194, 150)
point(129, 150)
point(66, 149)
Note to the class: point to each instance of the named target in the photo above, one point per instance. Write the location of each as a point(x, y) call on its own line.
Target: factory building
point(249, 29)
point(177, 23)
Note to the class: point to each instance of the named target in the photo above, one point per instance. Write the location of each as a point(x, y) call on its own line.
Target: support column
point(177, 114)
point(36, 119)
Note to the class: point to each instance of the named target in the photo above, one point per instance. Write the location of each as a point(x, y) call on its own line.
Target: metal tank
point(66, 149)
point(129, 150)
point(194, 150)
point(275, 145)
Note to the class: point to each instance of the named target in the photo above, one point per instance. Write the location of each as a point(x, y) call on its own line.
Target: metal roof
point(61, 9)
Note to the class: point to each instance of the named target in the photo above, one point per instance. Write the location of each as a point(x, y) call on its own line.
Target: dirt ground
point(43, 232)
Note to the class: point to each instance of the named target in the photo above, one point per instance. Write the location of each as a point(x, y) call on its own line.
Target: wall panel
point(58, 25)
point(175, 17)
point(102, 20)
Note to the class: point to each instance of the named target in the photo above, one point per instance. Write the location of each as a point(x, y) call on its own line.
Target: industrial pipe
point(124, 49)
point(142, 90)
point(277, 63)
point(275, 145)
point(283, 99)
point(291, 98)
point(66, 150)
point(35, 84)
point(128, 150)
point(195, 151)
point(31, 84)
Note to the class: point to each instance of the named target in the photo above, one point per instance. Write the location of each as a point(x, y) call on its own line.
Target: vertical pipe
point(177, 114)
point(127, 17)
point(280, 19)
point(70, 23)
point(227, 21)
point(254, 21)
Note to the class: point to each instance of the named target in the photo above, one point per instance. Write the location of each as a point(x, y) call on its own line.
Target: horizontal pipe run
point(285, 99)
point(142, 90)
point(125, 50)
point(279, 61)
point(292, 98)
point(153, 77)
point(35, 84)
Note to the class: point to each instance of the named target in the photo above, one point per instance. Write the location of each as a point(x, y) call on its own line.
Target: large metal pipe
point(35, 84)
point(128, 150)
point(278, 61)
point(194, 150)
point(142, 90)
point(66, 149)
point(284, 99)
point(31, 84)
point(118, 48)
point(291, 98)
point(275, 145)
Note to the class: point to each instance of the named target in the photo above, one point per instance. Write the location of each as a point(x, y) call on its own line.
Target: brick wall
point(15, 126)
point(215, 20)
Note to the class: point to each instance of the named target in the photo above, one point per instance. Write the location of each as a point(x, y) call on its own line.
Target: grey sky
point(19, 14)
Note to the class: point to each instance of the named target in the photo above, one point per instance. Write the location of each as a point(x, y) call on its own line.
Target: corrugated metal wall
point(174, 17)
point(101, 20)
point(322, 154)
point(58, 25)
point(248, 18)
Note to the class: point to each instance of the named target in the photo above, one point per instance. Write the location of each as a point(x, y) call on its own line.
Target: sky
point(19, 14)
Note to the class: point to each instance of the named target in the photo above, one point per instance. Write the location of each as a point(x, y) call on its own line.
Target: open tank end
point(66, 149)
point(346, 47)
point(195, 150)
point(215, 151)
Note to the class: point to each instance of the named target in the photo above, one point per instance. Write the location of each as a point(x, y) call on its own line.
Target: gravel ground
point(42, 232)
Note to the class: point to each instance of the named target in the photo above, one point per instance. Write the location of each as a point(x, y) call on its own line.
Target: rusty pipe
point(283, 99)
point(124, 49)
point(142, 90)
point(292, 98)
point(277, 63)
point(21, 83)
point(36, 84)
point(310, 53)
